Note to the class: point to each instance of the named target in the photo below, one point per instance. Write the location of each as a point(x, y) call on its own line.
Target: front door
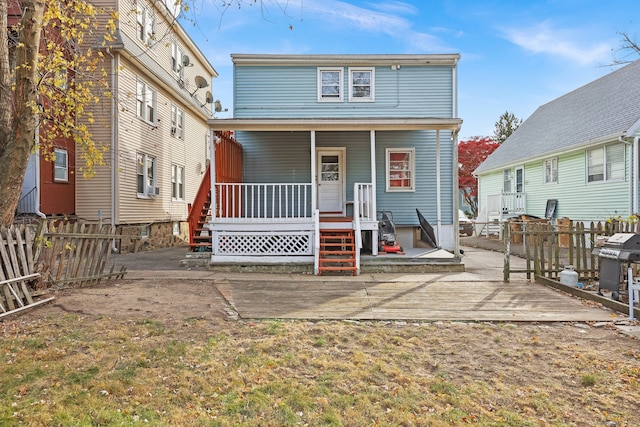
point(331, 181)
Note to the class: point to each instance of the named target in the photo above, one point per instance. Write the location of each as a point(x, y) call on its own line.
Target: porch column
point(374, 203)
point(636, 178)
point(438, 189)
point(314, 177)
point(212, 172)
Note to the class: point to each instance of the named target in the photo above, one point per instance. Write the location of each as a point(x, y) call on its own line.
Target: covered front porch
point(325, 214)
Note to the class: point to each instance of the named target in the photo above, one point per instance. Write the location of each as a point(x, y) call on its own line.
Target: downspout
point(438, 189)
point(114, 114)
point(635, 178)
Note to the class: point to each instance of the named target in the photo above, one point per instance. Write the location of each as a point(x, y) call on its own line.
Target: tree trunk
point(17, 136)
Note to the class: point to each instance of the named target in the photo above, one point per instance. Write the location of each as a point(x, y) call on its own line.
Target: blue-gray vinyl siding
point(577, 199)
point(291, 92)
point(285, 157)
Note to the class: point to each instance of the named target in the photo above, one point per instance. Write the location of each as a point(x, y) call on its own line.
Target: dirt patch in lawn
point(166, 353)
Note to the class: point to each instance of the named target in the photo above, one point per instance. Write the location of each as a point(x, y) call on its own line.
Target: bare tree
point(628, 51)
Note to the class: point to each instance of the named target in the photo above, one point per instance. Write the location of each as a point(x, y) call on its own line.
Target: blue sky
point(515, 55)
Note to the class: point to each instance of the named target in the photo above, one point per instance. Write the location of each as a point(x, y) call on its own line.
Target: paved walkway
point(475, 294)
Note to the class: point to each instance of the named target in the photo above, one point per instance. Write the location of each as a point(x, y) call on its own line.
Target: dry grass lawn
point(69, 369)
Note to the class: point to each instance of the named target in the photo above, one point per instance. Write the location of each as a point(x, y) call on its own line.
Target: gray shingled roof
point(605, 107)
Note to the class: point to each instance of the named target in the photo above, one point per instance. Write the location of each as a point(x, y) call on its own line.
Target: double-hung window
point(551, 171)
point(177, 121)
point(507, 177)
point(177, 53)
point(146, 175)
point(177, 182)
point(146, 24)
point(361, 84)
point(400, 168)
point(606, 163)
point(146, 102)
point(60, 165)
point(330, 84)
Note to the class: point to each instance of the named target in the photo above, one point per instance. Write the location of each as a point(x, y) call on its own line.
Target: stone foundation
point(160, 235)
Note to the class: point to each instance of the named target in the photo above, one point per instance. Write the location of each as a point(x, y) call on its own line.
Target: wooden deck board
point(429, 300)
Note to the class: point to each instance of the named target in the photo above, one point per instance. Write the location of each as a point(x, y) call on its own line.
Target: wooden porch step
point(337, 251)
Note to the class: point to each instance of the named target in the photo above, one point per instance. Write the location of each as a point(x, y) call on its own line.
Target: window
point(400, 167)
point(146, 176)
point(330, 84)
point(145, 231)
point(176, 57)
point(146, 102)
point(361, 84)
point(551, 171)
point(506, 181)
point(177, 182)
point(177, 121)
point(146, 25)
point(60, 166)
point(606, 163)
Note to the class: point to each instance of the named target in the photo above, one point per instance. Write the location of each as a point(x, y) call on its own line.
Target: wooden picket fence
point(548, 248)
point(78, 253)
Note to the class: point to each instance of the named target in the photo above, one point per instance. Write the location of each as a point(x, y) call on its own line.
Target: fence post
point(507, 251)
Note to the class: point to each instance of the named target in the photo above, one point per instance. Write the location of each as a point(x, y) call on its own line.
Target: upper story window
point(146, 175)
point(177, 53)
point(330, 84)
point(606, 163)
point(146, 24)
point(60, 165)
point(551, 171)
point(177, 121)
point(400, 168)
point(146, 102)
point(361, 84)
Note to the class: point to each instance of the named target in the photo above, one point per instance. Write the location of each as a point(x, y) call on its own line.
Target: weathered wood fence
point(78, 253)
point(548, 248)
point(34, 258)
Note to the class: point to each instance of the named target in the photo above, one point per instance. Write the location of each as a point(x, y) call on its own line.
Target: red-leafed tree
point(470, 154)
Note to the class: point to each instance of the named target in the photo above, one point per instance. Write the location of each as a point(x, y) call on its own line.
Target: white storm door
point(330, 181)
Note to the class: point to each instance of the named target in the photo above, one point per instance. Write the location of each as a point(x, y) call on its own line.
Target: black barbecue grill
point(619, 249)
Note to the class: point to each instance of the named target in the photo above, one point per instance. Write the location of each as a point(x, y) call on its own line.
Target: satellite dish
point(185, 61)
point(218, 106)
point(208, 98)
point(201, 82)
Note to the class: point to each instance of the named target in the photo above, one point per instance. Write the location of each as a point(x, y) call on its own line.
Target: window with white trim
point(146, 102)
point(60, 165)
point(146, 24)
point(606, 163)
point(146, 175)
point(176, 57)
point(177, 121)
point(177, 182)
point(551, 171)
point(400, 169)
point(507, 177)
point(361, 84)
point(330, 84)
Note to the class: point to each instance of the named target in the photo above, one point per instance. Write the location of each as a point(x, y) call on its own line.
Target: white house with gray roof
point(580, 150)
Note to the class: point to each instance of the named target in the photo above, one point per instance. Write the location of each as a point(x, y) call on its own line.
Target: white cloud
point(542, 38)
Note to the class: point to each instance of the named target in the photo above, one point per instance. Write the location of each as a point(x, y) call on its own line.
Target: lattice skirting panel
point(263, 243)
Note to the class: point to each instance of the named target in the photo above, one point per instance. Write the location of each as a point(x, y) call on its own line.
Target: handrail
point(195, 209)
point(262, 201)
point(316, 242)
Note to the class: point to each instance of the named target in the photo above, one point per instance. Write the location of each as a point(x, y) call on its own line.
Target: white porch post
point(374, 202)
point(636, 178)
point(212, 172)
point(314, 177)
point(438, 189)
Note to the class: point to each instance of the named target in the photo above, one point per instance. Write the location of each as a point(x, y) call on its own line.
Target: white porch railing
point(506, 204)
point(262, 201)
point(364, 201)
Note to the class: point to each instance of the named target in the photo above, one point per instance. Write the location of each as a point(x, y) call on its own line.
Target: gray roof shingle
point(607, 106)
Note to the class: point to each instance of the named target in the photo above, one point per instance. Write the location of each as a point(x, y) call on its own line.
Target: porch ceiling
point(336, 124)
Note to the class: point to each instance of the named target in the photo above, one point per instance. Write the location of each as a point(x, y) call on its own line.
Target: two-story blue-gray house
point(330, 141)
